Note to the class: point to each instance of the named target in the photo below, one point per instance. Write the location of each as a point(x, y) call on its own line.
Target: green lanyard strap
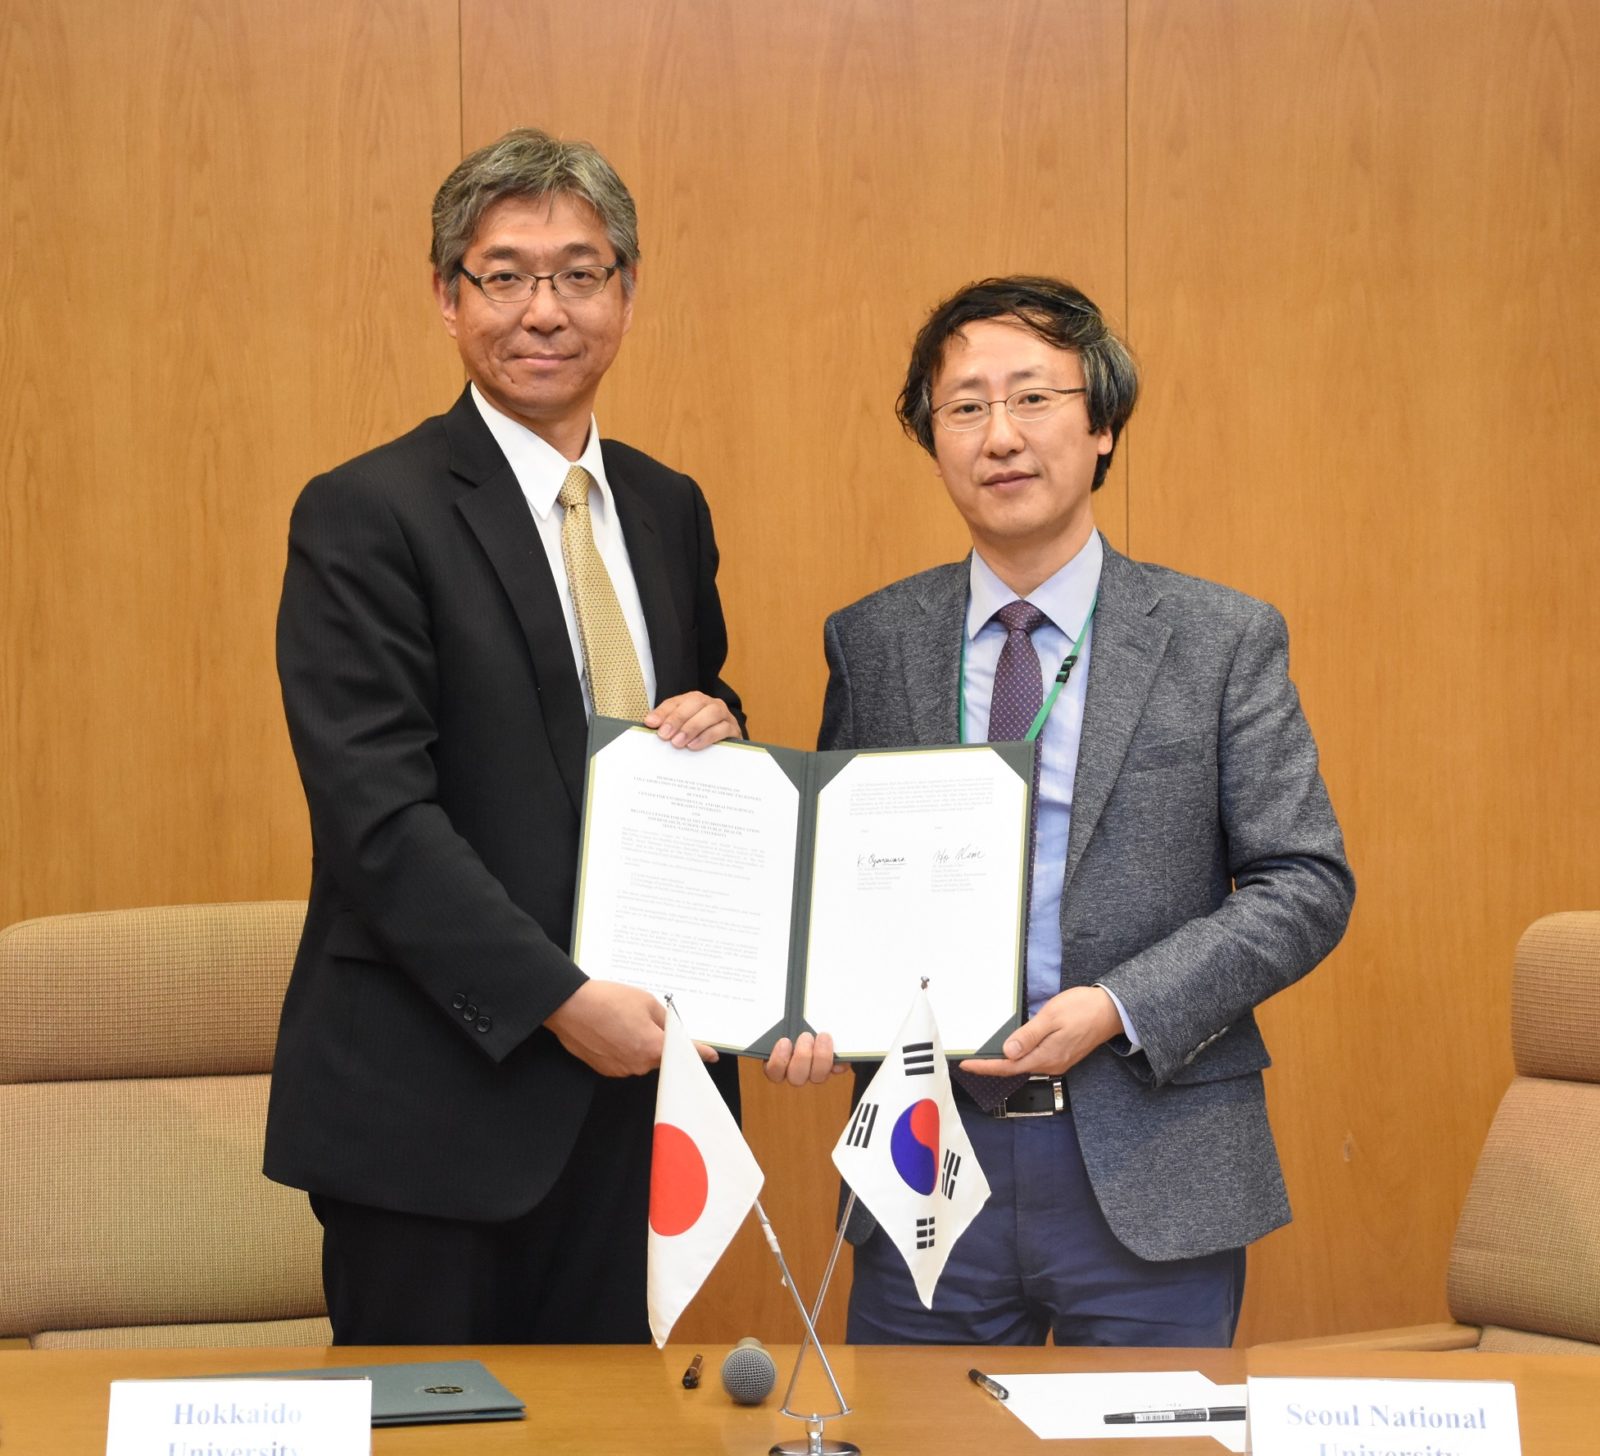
point(1068, 662)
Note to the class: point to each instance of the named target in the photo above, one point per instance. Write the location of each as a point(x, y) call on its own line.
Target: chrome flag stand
point(815, 1444)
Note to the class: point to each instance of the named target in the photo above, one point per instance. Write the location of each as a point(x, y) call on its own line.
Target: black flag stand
point(815, 1444)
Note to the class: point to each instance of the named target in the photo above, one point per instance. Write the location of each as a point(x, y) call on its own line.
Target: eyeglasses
point(504, 286)
point(1033, 403)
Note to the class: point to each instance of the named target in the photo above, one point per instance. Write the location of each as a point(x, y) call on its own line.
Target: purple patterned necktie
point(1018, 696)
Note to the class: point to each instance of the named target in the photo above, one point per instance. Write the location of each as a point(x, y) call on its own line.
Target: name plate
point(240, 1418)
point(1302, 1417)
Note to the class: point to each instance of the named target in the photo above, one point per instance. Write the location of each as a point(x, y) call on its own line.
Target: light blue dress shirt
point(1065, 599)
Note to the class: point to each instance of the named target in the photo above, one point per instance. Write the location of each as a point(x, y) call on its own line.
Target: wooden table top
point(629, 1400)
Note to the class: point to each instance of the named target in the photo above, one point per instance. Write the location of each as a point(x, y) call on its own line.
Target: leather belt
point(1039, 1096)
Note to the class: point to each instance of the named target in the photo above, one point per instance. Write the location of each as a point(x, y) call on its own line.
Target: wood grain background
point(1354, 246)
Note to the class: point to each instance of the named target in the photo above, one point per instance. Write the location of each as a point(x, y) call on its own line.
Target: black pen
point(691, 1376)
point(992, 1387)
point(1199, 1413)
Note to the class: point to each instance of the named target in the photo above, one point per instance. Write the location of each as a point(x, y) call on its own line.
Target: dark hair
point(529, 163)
point(1060, 315)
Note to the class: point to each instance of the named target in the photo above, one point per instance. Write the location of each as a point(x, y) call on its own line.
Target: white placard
point(1302, 1417)
point(240, 1418)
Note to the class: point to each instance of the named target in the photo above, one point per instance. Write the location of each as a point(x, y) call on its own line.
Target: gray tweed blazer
point(1205, 871)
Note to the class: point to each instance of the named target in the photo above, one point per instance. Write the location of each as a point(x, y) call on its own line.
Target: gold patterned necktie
point(615, 682)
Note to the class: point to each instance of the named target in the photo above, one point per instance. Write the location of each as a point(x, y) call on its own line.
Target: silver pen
point(991, 1387)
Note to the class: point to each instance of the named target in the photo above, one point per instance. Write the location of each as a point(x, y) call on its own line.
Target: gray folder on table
point(420, 1393)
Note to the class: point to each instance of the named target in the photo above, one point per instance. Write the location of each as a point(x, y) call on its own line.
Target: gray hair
point(529, 163)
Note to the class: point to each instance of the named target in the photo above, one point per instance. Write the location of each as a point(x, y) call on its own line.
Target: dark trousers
point(1040, 1259)
point(570, 1271)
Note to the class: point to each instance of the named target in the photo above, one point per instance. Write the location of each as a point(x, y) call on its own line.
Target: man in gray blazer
point(1187, 862)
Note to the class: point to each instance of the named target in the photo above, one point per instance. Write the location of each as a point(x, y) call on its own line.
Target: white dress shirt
point(540, 470)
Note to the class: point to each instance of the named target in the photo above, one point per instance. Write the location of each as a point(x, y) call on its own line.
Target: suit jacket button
point(484, 1023)
point(458, 1002)
point(470, 1012)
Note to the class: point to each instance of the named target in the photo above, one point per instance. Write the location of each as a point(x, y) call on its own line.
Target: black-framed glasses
point(1032, 403)
point(503, 285)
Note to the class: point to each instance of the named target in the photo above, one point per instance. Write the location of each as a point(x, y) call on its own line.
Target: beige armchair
point(134, 1052)
point(1524, 1270)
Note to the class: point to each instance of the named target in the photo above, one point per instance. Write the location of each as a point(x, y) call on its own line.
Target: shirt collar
point(538, 465)
point(1064, 598)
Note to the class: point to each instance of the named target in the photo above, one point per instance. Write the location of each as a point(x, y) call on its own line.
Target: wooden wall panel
point(1364, 280)
point(215, 283)
point(811, 179)
point(1353, 245)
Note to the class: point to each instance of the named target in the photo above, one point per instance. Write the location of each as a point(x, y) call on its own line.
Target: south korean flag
point(906, 1155)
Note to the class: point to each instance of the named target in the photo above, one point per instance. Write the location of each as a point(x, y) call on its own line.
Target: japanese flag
point(703, 1180)
point(906, 1155)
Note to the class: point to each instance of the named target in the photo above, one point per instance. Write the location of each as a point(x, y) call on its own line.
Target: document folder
point(421, 1393)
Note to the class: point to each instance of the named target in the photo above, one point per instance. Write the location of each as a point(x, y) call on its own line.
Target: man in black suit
point(471, 1115)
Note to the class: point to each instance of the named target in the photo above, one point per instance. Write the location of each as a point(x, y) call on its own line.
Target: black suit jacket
point(439, 726)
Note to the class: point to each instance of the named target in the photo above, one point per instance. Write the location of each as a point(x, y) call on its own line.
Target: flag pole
point(822, 1294)
point(815, 1444)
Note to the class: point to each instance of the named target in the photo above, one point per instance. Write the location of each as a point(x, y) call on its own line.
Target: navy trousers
point(1040, 1258)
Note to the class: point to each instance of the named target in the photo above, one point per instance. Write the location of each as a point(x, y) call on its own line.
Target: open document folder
point(771, 891)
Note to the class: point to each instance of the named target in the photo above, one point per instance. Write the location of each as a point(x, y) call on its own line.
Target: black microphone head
point(748, 1372)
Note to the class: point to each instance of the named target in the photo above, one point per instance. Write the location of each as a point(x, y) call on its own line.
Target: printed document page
point(693, 891)
point(919, 870)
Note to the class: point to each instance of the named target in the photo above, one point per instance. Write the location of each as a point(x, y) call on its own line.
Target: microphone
point(748, 1372)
